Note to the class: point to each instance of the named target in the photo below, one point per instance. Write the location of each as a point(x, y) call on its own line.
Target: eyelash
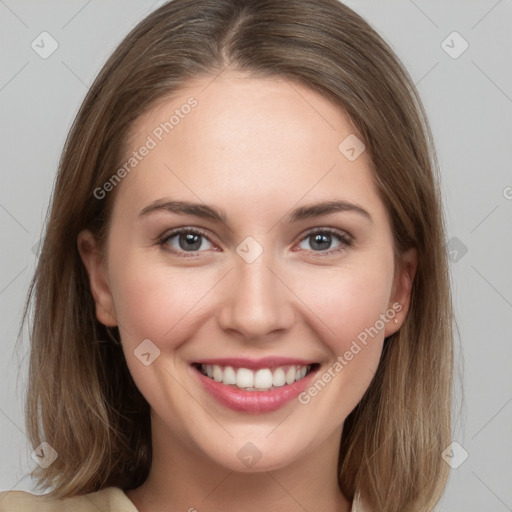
point(344, 238)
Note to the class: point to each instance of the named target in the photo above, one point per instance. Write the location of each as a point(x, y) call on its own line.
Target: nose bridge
point(257, 303)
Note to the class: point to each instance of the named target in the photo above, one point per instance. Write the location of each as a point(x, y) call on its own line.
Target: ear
point(400, 299)
point(96, 269)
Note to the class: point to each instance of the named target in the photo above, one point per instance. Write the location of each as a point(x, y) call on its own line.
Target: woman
point(242, 298)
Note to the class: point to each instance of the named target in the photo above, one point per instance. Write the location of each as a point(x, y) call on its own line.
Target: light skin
point(257, 149)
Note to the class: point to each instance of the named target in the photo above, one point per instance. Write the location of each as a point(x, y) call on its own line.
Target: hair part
point(81, 397)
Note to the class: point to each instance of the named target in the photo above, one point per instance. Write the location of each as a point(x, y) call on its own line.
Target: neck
point(180, 478)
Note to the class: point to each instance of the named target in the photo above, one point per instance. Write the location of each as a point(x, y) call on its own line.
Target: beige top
point(110, 499)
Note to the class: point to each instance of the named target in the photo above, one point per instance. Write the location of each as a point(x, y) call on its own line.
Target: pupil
point(190, 241)
point(321, 242)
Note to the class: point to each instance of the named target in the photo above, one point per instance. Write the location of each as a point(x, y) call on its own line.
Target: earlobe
point(100, 289)
point(402, 287)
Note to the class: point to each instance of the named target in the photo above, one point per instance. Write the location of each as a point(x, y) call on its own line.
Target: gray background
point(469, 103)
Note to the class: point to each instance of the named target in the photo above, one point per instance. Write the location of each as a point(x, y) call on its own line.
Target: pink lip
point(253, 402)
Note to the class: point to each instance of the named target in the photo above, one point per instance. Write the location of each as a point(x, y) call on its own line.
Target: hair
point(81, 397)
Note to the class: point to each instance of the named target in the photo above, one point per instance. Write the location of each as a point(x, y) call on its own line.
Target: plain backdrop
point(458, 54)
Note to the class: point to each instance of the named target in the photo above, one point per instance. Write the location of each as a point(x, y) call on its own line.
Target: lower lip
point(254, 402)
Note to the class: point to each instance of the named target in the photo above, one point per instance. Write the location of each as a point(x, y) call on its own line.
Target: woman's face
point(247, 244)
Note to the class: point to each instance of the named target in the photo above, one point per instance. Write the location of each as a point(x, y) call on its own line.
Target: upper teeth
point(264, 378)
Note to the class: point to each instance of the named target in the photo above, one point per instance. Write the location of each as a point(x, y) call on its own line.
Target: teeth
point(290, 375)
point(278, 378)
point(263, 379)
point(217, 373)
point(244, 378)
point(229, 375)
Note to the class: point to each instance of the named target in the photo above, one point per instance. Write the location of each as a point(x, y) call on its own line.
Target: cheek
point(167, 306)
point(159, 302)
point(163, 303)
point(347, 308)
point(349, 300)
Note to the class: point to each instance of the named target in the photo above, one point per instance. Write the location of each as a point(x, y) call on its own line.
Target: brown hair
point(82, 399)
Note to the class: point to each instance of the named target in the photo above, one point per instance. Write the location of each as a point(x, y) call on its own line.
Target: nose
point(256, 303)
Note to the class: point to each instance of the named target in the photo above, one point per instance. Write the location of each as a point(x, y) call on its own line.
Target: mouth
point(262, 379)
point(254, 386)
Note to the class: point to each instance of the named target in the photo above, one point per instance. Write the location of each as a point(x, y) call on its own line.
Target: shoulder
point(109, 499)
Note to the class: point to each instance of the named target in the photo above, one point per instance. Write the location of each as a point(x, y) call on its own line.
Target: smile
point(264, 379)
point(254, 386)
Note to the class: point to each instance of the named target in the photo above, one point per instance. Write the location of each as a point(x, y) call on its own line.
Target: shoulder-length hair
point(81, 397)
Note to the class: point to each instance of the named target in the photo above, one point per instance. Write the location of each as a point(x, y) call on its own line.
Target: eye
point(325, 240)
point(186, 240)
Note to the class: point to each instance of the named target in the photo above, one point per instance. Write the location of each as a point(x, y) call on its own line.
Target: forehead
point(235, 136)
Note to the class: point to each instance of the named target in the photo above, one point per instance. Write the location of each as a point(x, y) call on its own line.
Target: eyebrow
point(209, 212)
point(325, 208)
point(184, 208)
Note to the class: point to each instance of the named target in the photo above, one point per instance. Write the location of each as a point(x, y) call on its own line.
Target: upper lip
point(264, 362)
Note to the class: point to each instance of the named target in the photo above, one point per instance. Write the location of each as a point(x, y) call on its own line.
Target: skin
point(257, 149)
